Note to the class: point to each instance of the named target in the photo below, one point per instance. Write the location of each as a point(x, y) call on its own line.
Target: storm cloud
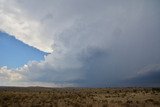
point(91, 43)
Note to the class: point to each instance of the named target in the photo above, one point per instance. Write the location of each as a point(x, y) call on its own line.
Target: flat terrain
point(79, 97)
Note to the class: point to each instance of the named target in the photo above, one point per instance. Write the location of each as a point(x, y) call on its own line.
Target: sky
point(15, 53)
point(92, 43)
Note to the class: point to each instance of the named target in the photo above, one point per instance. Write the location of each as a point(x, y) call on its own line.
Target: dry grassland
point(79, 97)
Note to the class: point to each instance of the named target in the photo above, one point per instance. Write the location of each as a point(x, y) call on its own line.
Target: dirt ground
point(79, 97)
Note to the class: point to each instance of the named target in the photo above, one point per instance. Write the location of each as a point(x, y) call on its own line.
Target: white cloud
point(15, 22)
point(9, 75)
point(18, 77)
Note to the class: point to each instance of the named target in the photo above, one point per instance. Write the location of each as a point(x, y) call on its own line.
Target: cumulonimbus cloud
point(92, 43)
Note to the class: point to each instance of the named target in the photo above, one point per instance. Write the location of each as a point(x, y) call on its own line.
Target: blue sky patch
point(14, 53)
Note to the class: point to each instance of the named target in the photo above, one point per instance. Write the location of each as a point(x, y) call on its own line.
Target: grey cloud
point(148, 76)
point(96, 43)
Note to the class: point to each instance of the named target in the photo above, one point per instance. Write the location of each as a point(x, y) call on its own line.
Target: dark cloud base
point(151, 79)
